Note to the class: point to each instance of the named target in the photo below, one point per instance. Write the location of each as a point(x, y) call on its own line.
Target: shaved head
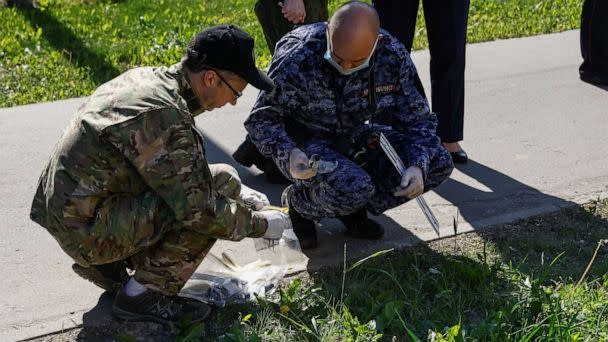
point(352, 32)
point(355, 15)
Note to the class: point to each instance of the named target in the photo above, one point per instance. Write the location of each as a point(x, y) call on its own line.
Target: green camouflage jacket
point(136, 133)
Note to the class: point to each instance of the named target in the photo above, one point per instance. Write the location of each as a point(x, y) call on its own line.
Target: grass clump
point(67, 48)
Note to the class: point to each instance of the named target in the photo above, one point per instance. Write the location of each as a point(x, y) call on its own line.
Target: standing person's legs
point(594, 42)
point(272, 22)
point(398, 17)
point(275, 26)
point(446, 23)
point(316, 11)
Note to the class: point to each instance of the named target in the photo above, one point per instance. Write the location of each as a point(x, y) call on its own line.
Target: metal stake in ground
point(398, 164)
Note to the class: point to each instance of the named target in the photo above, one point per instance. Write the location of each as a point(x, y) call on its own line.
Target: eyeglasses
point(237, 94)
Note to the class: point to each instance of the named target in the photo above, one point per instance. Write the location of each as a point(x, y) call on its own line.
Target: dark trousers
point(594, 40)
point(446, 25)
point(275, 26)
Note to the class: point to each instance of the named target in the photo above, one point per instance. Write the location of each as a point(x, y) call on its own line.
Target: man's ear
point(209, 78)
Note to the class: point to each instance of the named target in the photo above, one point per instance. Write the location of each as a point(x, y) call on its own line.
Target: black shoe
point(248, 154)
point(154, 306)
point(459, 157)
point(593, 76)
point(305, 229)
point(359, 226)
point(109, 277)
point(594, 79)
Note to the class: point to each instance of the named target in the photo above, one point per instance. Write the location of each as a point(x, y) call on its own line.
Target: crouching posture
point(337, 86)
point(128, 183)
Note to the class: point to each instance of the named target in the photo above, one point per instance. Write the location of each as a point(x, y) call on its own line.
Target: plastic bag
point(224, 278)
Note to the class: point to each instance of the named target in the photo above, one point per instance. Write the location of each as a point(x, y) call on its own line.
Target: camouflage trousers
point(142, 229)
point(350, 187)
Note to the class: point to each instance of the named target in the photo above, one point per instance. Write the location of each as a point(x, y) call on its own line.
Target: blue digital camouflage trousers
point(350, 187)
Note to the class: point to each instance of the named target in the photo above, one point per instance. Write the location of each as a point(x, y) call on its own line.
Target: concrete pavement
point(535, 133)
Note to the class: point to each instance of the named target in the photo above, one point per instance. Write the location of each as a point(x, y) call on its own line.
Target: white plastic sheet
point(227, 277)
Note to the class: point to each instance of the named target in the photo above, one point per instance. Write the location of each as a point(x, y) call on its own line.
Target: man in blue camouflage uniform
point(129, 183)
point(321, 103)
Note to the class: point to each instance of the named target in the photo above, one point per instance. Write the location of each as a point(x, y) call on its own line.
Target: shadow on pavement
point(98, 324)
point(500, 199)
point(63, 39)
point(331, 236)
point(493, 198)
point(536, 221)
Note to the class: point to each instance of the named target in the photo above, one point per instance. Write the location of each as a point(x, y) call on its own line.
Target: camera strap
point(372, 105)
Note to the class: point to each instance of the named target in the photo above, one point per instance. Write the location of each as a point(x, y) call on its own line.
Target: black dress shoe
point(459, 157)
point(594, 79)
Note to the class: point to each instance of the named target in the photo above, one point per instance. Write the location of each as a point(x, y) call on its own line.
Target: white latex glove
point(253, 199)
point(277, 222)
point(299, 165)
point(412, 183)
point(293, 10)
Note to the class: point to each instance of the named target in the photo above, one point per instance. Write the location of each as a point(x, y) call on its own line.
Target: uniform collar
point(185, 89)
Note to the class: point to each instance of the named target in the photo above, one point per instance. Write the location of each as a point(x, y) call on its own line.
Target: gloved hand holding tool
point(411, 179)
point(412, 183)
point(301, 167)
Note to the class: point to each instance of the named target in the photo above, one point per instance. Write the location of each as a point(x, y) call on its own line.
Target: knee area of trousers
point(355, 193)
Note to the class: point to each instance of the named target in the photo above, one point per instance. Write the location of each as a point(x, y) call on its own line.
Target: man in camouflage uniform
point(128, 182)
point(320, 106)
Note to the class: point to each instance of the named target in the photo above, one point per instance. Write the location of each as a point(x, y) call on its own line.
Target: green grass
point(506, 284)
point(67, 48)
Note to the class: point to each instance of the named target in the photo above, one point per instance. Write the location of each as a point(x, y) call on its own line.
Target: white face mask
point(338, 67)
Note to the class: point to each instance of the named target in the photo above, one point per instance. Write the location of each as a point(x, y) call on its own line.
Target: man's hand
point(277, 222)
point(412, 183)
point(293, 10)
point(254, 200)
point(299, 165)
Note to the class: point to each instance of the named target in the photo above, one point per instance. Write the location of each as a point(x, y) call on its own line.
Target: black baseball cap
point(227, 47)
